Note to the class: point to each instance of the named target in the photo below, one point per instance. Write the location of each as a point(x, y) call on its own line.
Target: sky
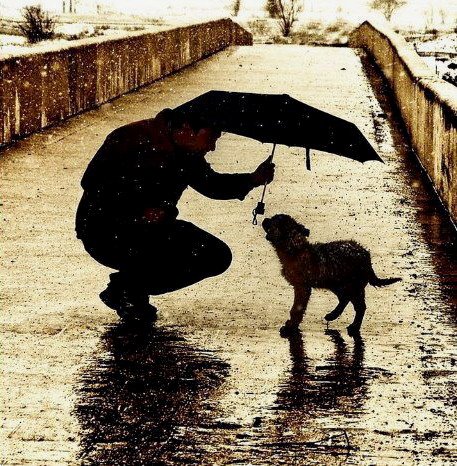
point(413, 12)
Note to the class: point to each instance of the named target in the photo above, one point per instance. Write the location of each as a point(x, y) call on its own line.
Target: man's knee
point(217, 259)
point(225, 259)
point(102, 251)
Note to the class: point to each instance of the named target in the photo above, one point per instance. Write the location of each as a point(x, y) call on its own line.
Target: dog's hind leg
point(358, 301)
point(297, 311)
point(343, 301)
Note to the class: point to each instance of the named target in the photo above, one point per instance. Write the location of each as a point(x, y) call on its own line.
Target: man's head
point(192, 134)
point(199, 141)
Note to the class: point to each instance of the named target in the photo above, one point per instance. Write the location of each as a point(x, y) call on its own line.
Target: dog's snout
point(266, 223)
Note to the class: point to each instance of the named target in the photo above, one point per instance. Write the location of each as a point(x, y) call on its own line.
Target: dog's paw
point(353, 331)
point(288, 330)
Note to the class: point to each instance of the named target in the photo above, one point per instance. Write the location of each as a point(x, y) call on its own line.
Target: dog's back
point(339, 261)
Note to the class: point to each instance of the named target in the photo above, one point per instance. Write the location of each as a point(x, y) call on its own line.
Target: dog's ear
point(298, 238)
point(304, 231)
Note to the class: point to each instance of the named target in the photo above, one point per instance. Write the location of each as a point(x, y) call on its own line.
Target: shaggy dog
point(343, 267)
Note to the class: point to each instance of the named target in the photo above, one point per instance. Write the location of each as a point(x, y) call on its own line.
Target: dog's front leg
point(301, 298)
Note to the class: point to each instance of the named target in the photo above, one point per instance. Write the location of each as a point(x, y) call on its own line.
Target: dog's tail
point(376, 281)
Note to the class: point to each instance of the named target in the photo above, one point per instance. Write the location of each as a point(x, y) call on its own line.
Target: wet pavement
point(213, 382)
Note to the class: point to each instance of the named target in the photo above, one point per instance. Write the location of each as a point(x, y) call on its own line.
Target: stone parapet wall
point(427, 104)
point(38, 89)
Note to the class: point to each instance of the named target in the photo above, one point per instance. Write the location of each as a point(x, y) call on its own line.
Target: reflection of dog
point(343, 267)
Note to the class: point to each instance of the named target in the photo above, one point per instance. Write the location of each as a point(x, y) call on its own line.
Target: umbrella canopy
point(279, 119)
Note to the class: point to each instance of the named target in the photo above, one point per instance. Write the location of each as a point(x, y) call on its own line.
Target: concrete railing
point(427, 104)
point(38, 89)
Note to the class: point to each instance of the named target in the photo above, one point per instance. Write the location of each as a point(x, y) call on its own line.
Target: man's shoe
point(129, 309)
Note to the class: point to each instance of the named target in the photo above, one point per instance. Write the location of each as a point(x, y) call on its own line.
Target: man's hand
point(264, 173)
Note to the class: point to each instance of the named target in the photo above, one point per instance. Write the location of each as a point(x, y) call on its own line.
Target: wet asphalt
point(212, 382)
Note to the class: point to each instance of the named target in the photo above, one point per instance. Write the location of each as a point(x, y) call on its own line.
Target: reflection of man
point(127, 215)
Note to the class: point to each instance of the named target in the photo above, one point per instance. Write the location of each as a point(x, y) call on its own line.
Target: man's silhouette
point(127, 215)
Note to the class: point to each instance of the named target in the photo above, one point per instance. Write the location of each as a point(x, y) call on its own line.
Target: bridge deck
point(214, 383)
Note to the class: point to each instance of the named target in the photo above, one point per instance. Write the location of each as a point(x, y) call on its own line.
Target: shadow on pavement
point(139, 397)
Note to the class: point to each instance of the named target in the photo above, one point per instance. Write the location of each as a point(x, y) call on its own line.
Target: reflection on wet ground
point(313, 392)
point(137, 399)
point(149, 397)
point(339, 384)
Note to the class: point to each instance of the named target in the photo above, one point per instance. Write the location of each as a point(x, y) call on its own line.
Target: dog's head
point(283, 230)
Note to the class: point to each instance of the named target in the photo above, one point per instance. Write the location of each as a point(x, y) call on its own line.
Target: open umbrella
point(279, 119)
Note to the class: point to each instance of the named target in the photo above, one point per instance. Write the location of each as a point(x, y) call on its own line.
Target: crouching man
point(127, 217)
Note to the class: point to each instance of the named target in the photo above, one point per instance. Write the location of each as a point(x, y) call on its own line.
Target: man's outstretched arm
point(229, 186)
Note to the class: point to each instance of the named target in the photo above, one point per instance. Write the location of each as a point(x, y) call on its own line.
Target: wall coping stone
point(420, 72)
point(414, 63)
point(78, 43)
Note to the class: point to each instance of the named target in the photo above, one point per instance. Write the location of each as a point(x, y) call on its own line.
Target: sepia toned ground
point(213, 382)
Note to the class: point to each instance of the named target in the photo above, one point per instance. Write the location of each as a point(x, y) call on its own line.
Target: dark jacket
point(139, 167)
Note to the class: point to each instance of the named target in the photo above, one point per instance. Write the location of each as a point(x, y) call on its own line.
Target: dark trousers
point(158, 259)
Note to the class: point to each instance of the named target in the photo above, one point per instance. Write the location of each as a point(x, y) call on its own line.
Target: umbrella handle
point(260, 209)
point(308, 159)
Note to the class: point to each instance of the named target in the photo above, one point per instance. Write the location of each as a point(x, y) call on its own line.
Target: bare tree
point(443, 15)
point(37, 25)
point(71, 4)
point(271, 7)
point(387, 7)
point(236, 7)
point(286, 12)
